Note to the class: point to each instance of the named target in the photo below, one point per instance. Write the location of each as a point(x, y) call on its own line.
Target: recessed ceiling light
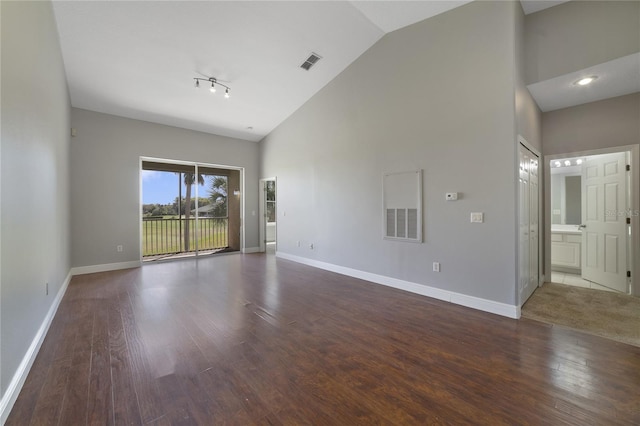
point(586, 80)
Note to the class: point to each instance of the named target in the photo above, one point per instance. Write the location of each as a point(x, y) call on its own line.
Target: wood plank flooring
point(250, 339)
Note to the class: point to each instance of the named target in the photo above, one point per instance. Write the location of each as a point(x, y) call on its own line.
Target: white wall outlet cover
point(477, 217)
point(451, 196)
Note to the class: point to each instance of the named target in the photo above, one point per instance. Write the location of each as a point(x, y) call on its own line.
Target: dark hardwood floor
point(250, 339)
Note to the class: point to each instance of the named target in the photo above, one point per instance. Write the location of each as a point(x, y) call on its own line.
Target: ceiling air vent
point(310, 61)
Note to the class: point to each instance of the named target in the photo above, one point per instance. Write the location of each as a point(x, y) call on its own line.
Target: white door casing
point(528, 197)
point(534, 220)
point(262, 211)
point(604, 227)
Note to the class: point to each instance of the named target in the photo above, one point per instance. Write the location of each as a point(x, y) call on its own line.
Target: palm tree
point(218, 196)
point(189, 179)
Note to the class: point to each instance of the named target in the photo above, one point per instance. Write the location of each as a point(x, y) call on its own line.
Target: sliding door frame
point(196, 195)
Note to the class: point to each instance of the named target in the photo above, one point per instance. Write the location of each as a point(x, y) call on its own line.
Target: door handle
point(582, 226)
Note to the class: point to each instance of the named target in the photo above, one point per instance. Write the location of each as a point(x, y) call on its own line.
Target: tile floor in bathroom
point(576, 280)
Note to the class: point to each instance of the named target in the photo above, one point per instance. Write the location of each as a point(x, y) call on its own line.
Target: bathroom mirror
point(573, 200)
point(566, 198)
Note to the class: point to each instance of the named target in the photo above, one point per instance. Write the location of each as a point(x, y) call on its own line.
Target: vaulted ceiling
point(139, 59)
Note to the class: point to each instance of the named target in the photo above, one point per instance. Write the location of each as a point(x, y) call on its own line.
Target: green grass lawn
point(166, 235)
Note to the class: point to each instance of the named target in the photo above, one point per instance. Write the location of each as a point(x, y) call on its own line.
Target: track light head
point(213, 87)
point(197, 83)
point(226, 93)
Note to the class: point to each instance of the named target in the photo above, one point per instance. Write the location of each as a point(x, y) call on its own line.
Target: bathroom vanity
point(566, 243)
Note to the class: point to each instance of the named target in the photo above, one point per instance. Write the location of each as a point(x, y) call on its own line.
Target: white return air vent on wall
point(310, 61)
point(402, 199)
point(402, 223)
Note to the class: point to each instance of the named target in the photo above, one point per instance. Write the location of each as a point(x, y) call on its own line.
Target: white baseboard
point(498, 308)
point(15, 386)
point(247, 250)
point(81, 270)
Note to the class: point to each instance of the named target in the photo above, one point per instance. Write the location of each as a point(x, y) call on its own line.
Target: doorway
point(590, 224)
point(188, 209)
point(268, 215)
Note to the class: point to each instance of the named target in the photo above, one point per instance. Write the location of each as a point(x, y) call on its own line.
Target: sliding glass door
point(186, 210)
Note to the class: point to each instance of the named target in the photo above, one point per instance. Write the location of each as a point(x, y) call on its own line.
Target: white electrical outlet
point(436, 266)
point(451, 196)
point(119, 248)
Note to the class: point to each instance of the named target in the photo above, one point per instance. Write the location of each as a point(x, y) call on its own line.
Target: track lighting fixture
point(213, 82)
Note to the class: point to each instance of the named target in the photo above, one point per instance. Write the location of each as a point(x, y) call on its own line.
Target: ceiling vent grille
point(310, 61)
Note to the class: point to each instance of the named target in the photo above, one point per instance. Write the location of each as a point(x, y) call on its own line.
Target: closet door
point(528, 197)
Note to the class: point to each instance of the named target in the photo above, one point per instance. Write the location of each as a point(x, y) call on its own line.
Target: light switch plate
point(477, 217)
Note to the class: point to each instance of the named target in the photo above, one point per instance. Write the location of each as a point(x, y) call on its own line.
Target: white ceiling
point(615, 78)
point(137, 59)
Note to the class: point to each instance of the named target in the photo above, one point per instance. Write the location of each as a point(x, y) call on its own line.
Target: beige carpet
point(602, 313)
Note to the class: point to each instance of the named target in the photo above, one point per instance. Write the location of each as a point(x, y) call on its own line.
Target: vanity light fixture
point(567, 163)
point(579, 161)
point(558, 164)
point(214, 81)
point(586, 80)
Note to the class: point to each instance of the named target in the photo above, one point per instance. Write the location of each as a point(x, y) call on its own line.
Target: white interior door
point(604, 243)
point(529, 196)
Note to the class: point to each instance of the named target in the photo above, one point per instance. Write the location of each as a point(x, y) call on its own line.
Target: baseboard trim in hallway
point(503, 309)
point(15, 386)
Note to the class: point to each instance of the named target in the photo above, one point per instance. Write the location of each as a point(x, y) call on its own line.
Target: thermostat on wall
point(451, 196)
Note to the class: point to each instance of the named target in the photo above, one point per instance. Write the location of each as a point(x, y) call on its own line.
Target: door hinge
point(628, 167)
point(628, 221)
point(628, 274)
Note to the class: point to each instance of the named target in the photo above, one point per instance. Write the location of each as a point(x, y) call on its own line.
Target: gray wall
point(105, 192)
point(35, 180)
point(603, 124)
point(528, 115)
point(438, 96)
point(579, 34)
